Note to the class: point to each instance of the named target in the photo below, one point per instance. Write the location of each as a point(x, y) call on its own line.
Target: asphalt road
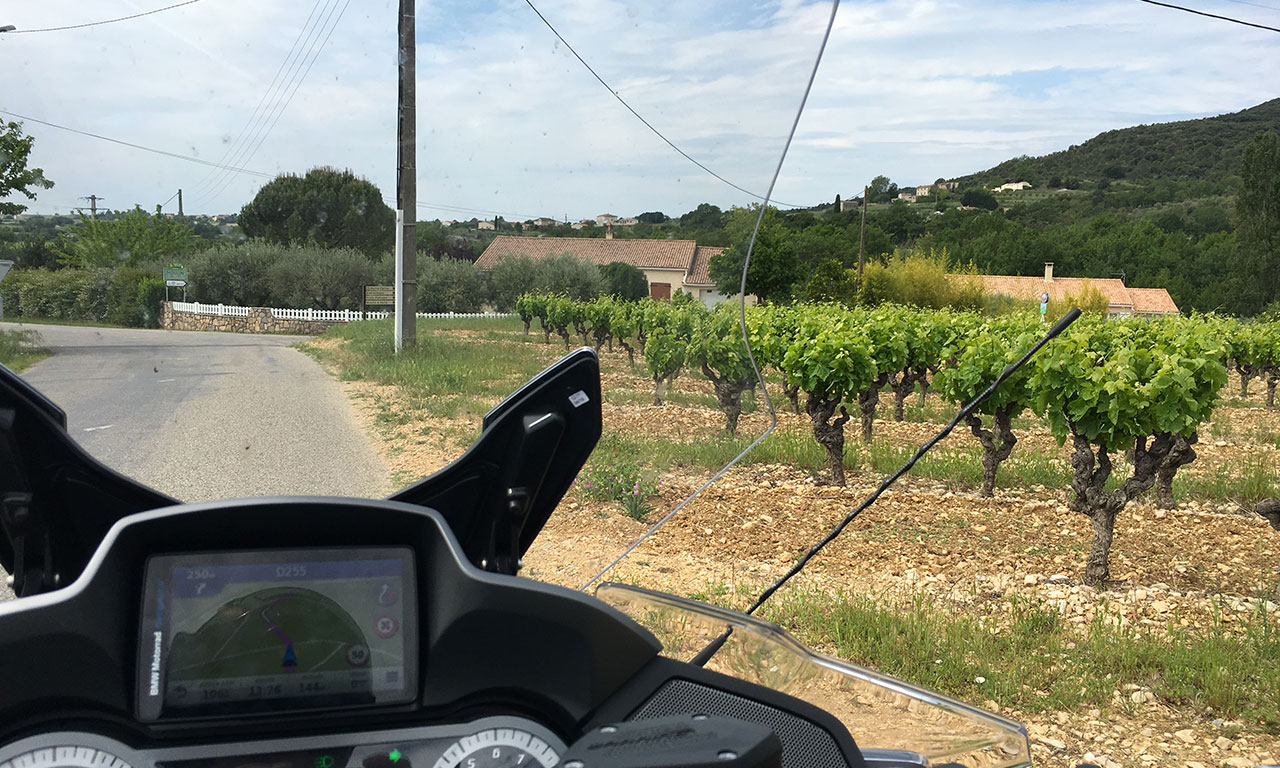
point(207, 415)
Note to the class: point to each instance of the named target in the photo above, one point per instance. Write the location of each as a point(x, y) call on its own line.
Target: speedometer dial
point(65, 757)
point(498, 748)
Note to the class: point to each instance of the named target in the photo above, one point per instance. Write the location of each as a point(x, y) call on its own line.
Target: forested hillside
point(1208, 149)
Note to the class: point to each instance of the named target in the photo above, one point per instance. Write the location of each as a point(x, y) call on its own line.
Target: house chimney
point(608, 231)
point(1048, 271)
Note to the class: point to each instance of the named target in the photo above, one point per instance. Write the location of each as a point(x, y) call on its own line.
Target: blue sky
point(510, 122)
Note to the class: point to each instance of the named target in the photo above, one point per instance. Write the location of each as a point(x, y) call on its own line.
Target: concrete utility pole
point(862, 238)
point(407, 185)
point(93, 204)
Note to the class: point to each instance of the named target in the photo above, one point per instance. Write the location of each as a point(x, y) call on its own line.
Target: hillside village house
point(1122, 301)
point(668, 265)
point(1013, 186)
point(605, 219)
point(485, 224)
point(543, 222)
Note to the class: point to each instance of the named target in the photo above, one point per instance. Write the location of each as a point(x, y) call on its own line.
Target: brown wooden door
point(660, 291)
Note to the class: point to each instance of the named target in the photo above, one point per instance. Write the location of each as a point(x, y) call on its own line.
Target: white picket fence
point(221, 310)
point(323, 315)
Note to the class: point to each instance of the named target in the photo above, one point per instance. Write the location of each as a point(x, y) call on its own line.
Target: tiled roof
point(1153, 300)
point(698, 269)
point(1121, 298)
point(1061, 287)
point(645, 254)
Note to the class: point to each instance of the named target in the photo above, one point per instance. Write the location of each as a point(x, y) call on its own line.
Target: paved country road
point(203, 415)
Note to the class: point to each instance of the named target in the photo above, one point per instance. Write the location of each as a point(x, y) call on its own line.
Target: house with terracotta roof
point(1122, 301)
point(668, 265)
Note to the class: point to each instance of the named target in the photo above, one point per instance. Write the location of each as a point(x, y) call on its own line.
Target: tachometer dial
point(68, 756)
point(498, 748)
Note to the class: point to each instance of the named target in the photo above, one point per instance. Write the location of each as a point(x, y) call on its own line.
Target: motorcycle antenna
point(742, 318)
point(706, 653)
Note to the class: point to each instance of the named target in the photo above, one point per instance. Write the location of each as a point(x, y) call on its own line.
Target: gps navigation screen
point(235, 632)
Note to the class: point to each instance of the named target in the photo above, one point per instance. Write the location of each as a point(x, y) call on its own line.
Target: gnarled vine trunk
point(527, 319)
point(902, 386)
point(1270, 511)
point(867, 402)
point(1180, 455)
point(793, 393)
point(829, 433)
point(546, 331)
point(1091, 498)
point(729, 396)
point(1247, 373)
point(631, 353)
point(997, 444)
point(1273, 378)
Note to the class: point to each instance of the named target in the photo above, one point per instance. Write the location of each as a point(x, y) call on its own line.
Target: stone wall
point(259, 320)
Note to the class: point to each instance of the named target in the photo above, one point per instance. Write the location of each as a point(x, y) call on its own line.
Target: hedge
point(122, 296)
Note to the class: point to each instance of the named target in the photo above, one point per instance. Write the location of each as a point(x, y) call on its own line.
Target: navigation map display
point(240, 632)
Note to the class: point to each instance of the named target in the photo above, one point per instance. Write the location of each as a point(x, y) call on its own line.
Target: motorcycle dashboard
point(255, 631)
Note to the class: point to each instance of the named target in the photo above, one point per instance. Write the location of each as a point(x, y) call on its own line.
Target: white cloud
point(509, 121)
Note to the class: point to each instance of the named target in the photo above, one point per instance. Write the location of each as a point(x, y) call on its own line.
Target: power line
point(100, 23)
point(1210, 15)
point(280, 112)
point(174, 155)
point(232, 168)
point(639, 117)
point(268, 97)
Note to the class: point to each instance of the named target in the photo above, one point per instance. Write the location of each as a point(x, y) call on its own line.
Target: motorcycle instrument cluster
point(272, 630)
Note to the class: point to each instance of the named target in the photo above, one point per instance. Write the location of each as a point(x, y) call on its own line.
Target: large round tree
point(327, 207)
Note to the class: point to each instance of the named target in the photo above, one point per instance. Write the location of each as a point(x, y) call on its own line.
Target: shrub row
point(121, 296)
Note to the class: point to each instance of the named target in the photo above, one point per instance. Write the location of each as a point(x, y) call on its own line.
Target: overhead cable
point(100, 23)
point(166, 153)
point(280, 111)
point(640, 117)
point(268, 97)
point(1210, 15)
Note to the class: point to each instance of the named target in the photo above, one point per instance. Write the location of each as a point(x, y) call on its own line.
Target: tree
point(326, 207)
point(836, 208)
point(976, 197)
point(1258, 209)
point(624, 281)
point(705, 216)
point(653, 217)
point(129, 237)
point(15, 176)
point(451, 285)
point(774, 273)
point(321, 278)
point(881, 190)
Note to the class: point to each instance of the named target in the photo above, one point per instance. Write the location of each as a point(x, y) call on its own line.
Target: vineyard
point(1135, 388)
point(1085, 555)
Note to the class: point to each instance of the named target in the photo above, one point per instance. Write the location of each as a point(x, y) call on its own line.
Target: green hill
point(1207, 149)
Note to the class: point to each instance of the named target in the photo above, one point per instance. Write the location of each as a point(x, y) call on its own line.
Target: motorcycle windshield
point(881, 712)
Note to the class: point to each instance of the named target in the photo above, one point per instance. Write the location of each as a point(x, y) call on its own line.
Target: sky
point(511, 124)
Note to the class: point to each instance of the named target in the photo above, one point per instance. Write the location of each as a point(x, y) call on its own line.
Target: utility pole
point(93, 204)
point(407, 185)
point(179, 205)
point(862, 237)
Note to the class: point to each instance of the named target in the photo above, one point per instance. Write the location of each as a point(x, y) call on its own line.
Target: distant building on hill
point(668, 265)
point(1013, 186)
point(1122, 301)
